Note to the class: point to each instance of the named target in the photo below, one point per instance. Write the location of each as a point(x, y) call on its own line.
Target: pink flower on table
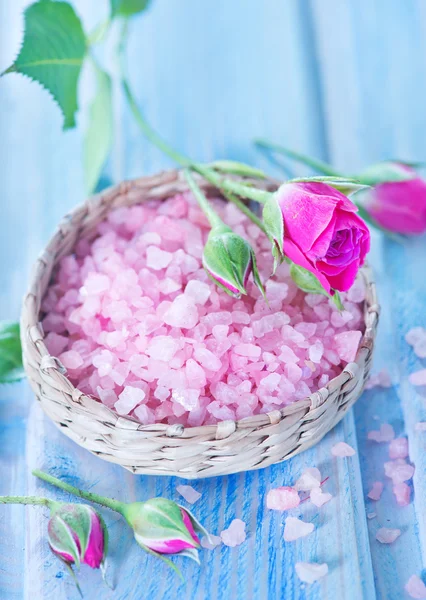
point(77, 534)
point(317, 228)
point(399, 206)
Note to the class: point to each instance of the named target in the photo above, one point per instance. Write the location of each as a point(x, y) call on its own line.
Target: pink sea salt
point(399, 470)
point(402, 493)
point(342, 449)
point(138, 324)
point(376, 491)
point(418, 377)
point(415, 588)
point(296, 528)
point(310, 479)
point(311, 572)
point(282, 498)
point(188, 492)
point(210, 542)
point(318, 497)
point(235, 534)
point(398, 448)
point(384, 535)
point(385, 434)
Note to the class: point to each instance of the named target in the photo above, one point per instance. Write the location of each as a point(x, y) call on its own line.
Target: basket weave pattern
point(161, 449)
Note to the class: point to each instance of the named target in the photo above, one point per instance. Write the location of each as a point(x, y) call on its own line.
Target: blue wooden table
point(340, 79)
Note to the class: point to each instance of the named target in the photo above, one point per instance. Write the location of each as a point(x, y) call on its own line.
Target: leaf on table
point(127, 8)
point(98, 136)
point(11, 368)
point(52, 53)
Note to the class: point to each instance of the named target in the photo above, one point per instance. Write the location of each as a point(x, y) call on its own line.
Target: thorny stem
point(34, 500)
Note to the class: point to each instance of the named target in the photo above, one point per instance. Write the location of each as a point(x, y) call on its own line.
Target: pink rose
point(320, 231)
point(399, 206)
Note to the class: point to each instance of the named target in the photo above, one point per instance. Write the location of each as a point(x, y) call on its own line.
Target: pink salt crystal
point(371, 515)
point(96, 283)
point(296, 528)
point(157, 259)
point(145, 415)
point(71, 359)
point(385, 434)
point(357, 291)
point(188, 398)
point(402, 493)
point(207, 359)
point(182, 313)
point(347, 344)
point(220, 332)
point(188, 493)
point(238, 316)
point(384, 535)
point(162, 393)
point(399, 470)
point(282, 498)
point(310, 479)
point(318, 497)
point(195, 373)
point(249, 350)
point(235, 534)
point(129, 398)
point(376, 491)
point(287, 355)
point(418, 377)
point(55, 343)
point(198, 291)
point(210, 542)
point(342, 449)
point(415, 335)
point(162, 347)
point(415, 588)
point(398, 448)
point(119, 373)
point(316, 351)
point(169, 286)
point(420, 426)
point(270, 382)
point(108, 397)
point(311, 572)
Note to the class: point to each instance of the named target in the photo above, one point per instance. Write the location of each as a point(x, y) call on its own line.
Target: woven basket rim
point(221, 429)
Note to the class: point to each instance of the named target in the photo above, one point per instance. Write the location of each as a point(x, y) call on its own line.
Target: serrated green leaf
point(385, 172)
point(98, 137)
point(11, 368)
point(127, 8)
point(306, 280)
point(53, 52)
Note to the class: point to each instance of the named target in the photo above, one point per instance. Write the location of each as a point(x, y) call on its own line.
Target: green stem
point(214, 219)
point(234, 187)
point(246, 210)
point(317, 165)
point(108, 502)
point(34, 500)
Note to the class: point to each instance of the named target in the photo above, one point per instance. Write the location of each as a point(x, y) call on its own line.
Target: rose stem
point(34, 500)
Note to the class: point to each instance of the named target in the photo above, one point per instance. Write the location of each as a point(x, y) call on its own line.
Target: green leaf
point(233, 167)
point(346, 186)
point(385, 172)
point(52, 53)
point(306, 280)
point(11, 368)
point(98, 137)
point(337, 301)
point(127, 8)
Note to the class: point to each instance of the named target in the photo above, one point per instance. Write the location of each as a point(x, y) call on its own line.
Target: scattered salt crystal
point(210, 542)
point(376, 491)
point(342, 449)
point(71, 359)
point(415, 588)
point(402, 493)
point(399, 470)
point(384, 535)
point(282, 498)
point(347, 344)
point(380, 379)
point(318, 497)
point(420, 426)
point(371, 515)
point(418, 377)
point(398, 448)
point(385, 434)
point(296, 528)
point(414, 335)
point(310, 479)
point(188, 493)
point(311, 572)
point(235, 534)
point(198, 291)
point(182, 313)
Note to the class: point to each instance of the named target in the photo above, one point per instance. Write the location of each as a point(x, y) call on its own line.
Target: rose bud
point(316, 227)
point(164, 527)
point(229, 259)
point(397, 202)
point(77, 534)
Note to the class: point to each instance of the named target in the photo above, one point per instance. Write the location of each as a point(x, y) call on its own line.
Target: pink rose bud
point(398, 200)
point(317, 228)
point(77, 534)
point(229, 259)
point(165, 527)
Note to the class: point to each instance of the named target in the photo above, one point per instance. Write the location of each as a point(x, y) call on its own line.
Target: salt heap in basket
point(137, 323)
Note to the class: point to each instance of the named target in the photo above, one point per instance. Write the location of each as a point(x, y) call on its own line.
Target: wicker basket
point(159, 449)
